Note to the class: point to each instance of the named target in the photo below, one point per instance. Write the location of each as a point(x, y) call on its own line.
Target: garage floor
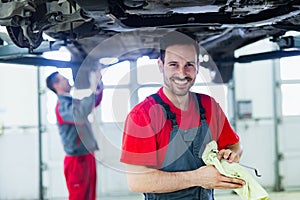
point(273, 196)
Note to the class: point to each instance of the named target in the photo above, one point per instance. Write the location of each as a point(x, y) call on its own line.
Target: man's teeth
point(184, 81)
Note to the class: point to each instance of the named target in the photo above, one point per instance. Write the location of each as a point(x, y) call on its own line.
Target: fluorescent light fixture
point(62, 54)
point(204, 58)
point(108, 60)
point(47, 37)
point(3, 29)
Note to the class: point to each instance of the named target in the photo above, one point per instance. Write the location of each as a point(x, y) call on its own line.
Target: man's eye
point(173, 64)
point(190, 64)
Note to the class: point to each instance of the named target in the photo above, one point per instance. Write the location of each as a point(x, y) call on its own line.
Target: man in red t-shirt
point(164, 136)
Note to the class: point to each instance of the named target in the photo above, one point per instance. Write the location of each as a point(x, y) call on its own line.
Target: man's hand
point(95, 81)
point(228, 155)
point(209, 177)
point(231, 153)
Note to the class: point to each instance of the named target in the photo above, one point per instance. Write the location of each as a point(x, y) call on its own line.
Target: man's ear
point(160, 64)
point(56, 86)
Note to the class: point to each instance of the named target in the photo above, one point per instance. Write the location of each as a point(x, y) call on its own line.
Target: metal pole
point(40, 131)
point(278, 186)
point(134, 86)
point(234, 105)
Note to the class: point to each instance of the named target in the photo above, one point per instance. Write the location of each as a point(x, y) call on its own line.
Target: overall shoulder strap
point(170, 115)
point(201, 108)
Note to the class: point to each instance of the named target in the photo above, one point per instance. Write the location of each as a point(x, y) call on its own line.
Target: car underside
point(220, 26)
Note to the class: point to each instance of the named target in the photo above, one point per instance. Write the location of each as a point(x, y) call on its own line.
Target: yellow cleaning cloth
point(251, 190)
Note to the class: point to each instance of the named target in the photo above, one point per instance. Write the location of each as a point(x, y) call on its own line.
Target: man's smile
point(180, 81)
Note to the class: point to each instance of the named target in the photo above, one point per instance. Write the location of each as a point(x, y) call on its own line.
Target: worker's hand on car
point(95, 79)
point(228, 155)
point(209, 177)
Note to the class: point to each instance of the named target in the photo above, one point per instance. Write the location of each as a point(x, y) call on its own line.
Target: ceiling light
point(108, 61)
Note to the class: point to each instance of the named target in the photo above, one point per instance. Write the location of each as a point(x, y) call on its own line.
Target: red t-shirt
point(147, 131)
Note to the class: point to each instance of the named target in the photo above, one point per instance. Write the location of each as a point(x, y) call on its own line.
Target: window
point(148, 77)
point(115, 105)
point(290, 85)
point(118, 74)
point(289, 68)
point(148, 71)
point(290, 99)
point(218, 92)
point(204, 75)
point(204, 85)
point(116, 96)
point(146, 91)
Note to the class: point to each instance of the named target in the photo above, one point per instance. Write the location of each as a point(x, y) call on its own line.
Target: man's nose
point(182, 71)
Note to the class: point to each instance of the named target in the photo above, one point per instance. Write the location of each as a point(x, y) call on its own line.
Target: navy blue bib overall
point(184, 153)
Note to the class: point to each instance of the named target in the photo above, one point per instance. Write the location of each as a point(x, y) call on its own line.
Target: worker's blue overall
point(184, 154)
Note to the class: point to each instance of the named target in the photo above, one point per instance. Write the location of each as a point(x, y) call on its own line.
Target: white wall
point(254, 81)
point(18, 146)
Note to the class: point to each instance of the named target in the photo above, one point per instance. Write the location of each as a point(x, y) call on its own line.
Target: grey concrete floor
point(273, 196)
point(289, 195)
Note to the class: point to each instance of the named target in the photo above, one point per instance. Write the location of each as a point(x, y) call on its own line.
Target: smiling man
point(165, 135)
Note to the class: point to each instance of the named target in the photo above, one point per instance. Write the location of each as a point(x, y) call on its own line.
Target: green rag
point(251, 190)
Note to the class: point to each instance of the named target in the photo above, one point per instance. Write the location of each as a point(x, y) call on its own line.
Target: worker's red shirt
point(147, 132)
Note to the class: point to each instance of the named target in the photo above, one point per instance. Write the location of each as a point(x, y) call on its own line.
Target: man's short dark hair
point(51, 79)
point(177, 38)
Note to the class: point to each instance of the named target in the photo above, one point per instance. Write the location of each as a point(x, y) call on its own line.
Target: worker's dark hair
point(177, 38)
point(51, 79)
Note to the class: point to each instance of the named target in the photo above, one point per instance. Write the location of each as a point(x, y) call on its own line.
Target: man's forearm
point(146, 180)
